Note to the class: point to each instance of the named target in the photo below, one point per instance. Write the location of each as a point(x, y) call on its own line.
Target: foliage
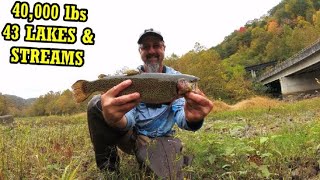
point(216, 80)
point(291, 26)
point(3, 105)
point(52, 103)
point(55, 104)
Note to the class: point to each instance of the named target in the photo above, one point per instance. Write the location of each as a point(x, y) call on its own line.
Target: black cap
point(150, 32)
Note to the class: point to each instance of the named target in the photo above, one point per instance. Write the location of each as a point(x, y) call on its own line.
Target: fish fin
point(78, 91)
point(131, 72)
point(101, 76)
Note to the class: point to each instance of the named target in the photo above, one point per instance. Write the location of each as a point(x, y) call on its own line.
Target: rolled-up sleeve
point(130, 116)
point(180, 118)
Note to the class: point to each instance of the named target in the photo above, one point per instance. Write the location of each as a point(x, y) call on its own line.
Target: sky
point(116, 26)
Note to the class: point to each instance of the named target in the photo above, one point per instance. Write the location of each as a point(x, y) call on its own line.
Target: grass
point(260, 141)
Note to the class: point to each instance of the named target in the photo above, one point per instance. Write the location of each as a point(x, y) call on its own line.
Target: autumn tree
point(216, 80)
point(316, 20)
point(66, 104)
point(302, 36)
point(3, 105)
point(55, 103)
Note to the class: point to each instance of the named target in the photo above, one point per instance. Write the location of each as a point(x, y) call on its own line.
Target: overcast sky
point(117, 26)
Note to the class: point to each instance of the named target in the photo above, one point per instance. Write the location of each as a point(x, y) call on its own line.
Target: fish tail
point(79, 93)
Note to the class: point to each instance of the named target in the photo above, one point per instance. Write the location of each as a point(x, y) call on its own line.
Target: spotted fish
point(154, 88)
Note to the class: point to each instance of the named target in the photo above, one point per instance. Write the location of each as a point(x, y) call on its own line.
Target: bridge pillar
point(300, 83)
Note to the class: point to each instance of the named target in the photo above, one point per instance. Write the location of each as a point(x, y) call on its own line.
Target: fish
point(154, 88)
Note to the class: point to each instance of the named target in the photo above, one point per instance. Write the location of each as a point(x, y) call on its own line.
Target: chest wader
point(160, 156)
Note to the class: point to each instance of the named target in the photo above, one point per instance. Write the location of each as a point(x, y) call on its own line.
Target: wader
point(161, 155)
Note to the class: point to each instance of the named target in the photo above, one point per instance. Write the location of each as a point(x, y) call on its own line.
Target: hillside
point(288, 28)
point(18, 101)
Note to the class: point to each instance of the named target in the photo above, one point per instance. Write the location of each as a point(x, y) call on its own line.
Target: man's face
point(152, 53)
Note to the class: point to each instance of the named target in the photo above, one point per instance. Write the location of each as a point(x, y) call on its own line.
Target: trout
point(154, 88)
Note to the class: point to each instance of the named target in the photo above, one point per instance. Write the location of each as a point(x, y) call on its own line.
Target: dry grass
point(220, 106)
point(264, 139)
point(254, 102)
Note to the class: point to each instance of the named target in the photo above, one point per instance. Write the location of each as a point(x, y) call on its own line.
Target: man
point(126, 122)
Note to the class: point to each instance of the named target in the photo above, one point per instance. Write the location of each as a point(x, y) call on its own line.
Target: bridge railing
point(302, 54)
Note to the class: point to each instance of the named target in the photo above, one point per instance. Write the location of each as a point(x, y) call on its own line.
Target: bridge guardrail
point(302, 54)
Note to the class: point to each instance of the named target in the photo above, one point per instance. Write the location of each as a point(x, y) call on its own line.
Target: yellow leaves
point(316, 19)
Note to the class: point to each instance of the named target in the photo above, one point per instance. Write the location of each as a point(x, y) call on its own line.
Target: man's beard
point(153, 67)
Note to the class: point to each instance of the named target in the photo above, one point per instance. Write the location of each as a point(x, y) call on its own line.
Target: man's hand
point(197, 106)
point(114, 107)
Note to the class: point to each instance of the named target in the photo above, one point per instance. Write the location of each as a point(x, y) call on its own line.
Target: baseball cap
point(150, 32)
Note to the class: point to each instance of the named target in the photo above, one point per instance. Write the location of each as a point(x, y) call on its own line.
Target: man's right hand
point(114, 107)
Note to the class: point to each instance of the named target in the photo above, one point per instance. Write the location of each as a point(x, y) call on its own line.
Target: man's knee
point(94, 104)
point(161, 155)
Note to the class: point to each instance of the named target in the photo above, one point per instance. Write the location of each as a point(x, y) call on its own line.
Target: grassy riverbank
point(250, 141)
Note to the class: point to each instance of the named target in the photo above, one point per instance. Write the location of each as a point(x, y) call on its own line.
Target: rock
point(6, 119)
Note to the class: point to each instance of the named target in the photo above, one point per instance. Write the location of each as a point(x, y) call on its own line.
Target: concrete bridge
point(296, 74)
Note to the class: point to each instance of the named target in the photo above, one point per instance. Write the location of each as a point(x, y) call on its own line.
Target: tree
point(302, 36)
point(301, 8)
point(273, 27)
point(66, 104)
point(198, 47)
point(173, 57)
point(316, 20)
point(3, 105)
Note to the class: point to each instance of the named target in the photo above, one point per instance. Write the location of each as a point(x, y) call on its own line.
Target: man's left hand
point(197, 106)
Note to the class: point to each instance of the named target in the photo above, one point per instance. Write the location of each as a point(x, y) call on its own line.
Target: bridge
point(259, 67)
point(297, 74)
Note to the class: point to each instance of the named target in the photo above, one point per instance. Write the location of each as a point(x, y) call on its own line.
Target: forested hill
point(52, 103)
point(20, 102)
point(285, 30)
point(289, 27)
point(13, 104)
